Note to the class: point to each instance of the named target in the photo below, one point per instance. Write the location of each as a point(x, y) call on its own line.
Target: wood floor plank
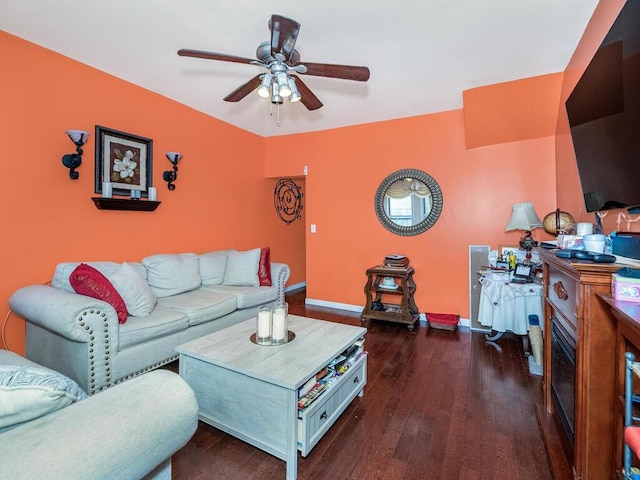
point(437, 405)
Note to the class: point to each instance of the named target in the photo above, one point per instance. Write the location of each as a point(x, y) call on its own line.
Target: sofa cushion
point(242, 268)
point(63, 270)
point(201, 305)
point(213, 266)
point(246, 297)
point(88, 281)
point(160, 322)
point(28, 392)
point(264, 267)
point(170, 274)
point(134, 290)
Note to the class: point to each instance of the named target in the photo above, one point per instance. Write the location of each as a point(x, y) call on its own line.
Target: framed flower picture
point(123, 159)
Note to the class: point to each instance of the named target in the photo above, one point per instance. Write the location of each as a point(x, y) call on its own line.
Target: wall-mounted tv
point(604, 116)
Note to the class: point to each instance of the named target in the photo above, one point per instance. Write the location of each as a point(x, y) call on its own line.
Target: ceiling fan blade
point(244, 90)
point(184, 52)
point(308, 99)
point(294, 59)
point(284, 33)
point(346, 72)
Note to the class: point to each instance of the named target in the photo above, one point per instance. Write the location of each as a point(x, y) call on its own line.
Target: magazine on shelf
point(323, 380)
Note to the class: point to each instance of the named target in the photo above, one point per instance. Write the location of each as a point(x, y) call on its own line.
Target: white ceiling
point(422, 53)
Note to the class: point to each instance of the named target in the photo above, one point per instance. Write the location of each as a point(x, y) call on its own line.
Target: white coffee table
point(251, 391)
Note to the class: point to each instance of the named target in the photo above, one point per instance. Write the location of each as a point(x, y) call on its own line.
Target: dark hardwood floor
point(437, 405)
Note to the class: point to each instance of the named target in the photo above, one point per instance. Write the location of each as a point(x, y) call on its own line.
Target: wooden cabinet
point(571, 305)
point(627, 318)
point(395, 304)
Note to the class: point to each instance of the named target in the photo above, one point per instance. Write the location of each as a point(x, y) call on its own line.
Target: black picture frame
point(502, 265)
point(524, 271)
point(125, 160)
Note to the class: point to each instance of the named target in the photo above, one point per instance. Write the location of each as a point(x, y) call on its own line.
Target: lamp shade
point(78, 136)
point(523, 217)
point(174, 157)
point(265, 87)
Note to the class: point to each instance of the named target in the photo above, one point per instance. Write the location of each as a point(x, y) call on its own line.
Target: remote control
point(584, 255)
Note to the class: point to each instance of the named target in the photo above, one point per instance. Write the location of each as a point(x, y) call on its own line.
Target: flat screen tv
point(604, 116)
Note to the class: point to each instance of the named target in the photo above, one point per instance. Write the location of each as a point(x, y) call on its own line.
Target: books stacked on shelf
point(325, 378)
point(394, 260)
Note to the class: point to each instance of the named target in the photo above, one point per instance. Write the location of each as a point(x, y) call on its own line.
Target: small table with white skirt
point(506, 306)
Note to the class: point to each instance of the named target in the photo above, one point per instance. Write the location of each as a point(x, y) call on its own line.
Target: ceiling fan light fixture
point(295, 94)
point(283, 85)
point(276, 99)
point(284, 90)
point(264, 90)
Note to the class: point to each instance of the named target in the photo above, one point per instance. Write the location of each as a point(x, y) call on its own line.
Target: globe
point(558, 222)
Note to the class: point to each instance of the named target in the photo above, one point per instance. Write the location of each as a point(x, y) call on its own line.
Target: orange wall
point(222, 198)
point(511, 111)
point(479, 187)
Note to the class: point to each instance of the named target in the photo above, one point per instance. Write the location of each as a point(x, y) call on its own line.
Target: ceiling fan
point(281, 61)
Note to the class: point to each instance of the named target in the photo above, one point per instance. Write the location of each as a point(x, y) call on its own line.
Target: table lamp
point(524, 217)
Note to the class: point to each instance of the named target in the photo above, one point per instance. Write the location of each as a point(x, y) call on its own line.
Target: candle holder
point(280, 328)
point(272, 325)
point(107, 192)
point(264, 325)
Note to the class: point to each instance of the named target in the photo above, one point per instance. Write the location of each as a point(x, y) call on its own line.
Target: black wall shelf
point(124, 204)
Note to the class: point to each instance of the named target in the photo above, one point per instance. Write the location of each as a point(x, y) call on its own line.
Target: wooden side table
point(390, 304)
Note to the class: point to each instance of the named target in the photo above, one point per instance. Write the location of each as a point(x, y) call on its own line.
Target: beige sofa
point(170, 298)
point(49, 429)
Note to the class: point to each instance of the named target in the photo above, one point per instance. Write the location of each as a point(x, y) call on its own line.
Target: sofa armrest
point(279, 275)
point(71, 333)
point(124, 432)
point(58, 310)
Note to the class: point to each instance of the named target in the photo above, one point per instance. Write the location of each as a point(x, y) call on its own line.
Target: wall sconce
point(73, 160)
point(171, 176)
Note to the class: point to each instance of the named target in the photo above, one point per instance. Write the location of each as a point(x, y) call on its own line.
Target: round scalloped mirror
point(408, 202)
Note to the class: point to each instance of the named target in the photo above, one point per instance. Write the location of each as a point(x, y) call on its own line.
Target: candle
point(280, 328)
point(106, 190)
point(278, 325)
point(153, 194)
point(263, 326)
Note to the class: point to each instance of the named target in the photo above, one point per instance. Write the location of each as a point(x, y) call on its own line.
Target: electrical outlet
point(305, 170)
point(313, 228)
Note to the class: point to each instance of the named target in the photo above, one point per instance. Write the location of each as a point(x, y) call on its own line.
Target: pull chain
point(277, 112)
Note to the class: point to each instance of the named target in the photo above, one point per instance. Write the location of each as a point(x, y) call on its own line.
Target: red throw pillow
point(88, 281)
point(264, 267)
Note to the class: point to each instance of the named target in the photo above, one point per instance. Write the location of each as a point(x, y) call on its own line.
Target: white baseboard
point(296, 286)
point(339, 306)
point(463, 322)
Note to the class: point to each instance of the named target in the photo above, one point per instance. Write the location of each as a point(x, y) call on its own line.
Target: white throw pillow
point(242, 268)
point(212, 266)
point(31, 392)
point(169, 274)
point(134, 290)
